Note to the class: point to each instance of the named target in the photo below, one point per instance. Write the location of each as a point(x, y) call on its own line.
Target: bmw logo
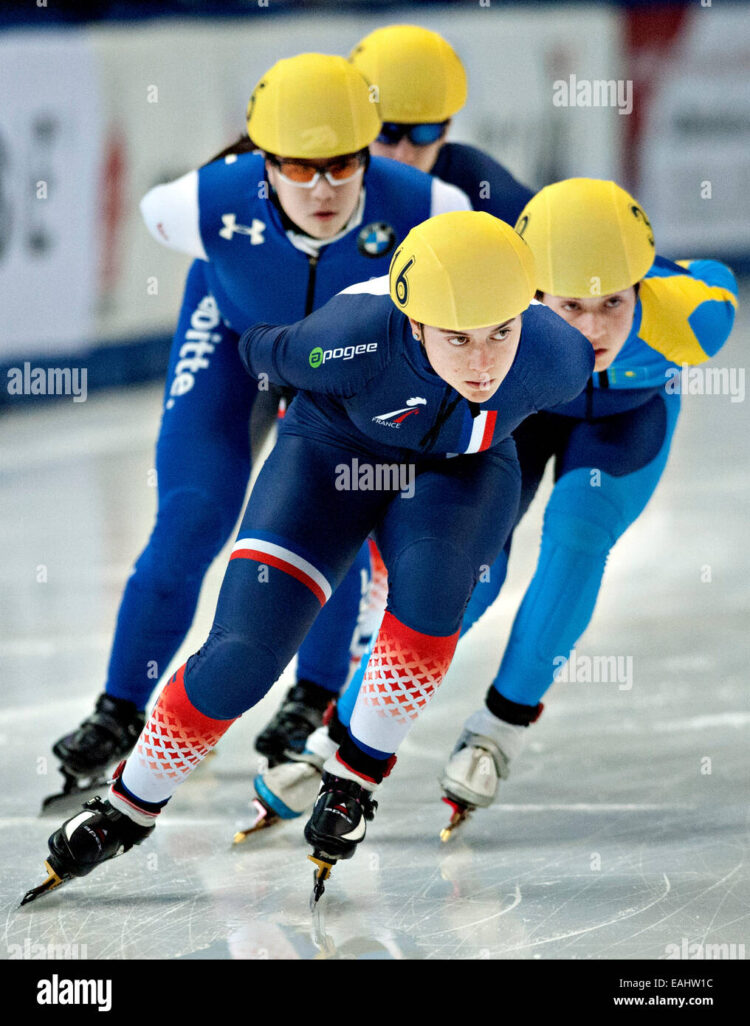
point(376, 239)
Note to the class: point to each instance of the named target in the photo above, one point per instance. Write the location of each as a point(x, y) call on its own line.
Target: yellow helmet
point(462, 270)
point(417, 74)
point(589, 237)
point(312, 106)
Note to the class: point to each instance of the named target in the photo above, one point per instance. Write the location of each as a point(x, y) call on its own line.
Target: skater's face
point(473, 362)
point(604, 320)
point(404, 149)
point(319, 208)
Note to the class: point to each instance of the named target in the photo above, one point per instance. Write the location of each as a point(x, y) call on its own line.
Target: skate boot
point(289, 789)
point(480, 760)
point(337, 824)
point(91, 837)
point(300, 714)
point(101, 741)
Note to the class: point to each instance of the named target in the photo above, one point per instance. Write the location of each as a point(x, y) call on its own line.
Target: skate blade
point(461, 813)
point(320, 938)
point(52, 881)
point(72, 792)
point(265, 818)
point(321, 874)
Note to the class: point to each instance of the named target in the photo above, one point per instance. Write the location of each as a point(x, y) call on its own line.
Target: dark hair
point(243, 144)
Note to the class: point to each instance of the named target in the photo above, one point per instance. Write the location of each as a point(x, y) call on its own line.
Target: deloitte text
point(319, 356)
point(201, 341)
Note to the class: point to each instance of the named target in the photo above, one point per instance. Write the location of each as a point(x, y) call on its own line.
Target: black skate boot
point(93, 836)
point(300, 714)
point(337, 825)
point(101, 741)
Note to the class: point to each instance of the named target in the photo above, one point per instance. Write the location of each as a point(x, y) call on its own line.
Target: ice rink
point(622, 832)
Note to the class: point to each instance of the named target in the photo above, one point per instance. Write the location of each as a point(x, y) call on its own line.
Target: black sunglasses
point(418, 135)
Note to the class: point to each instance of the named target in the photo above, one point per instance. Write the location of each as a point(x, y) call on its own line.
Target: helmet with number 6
point(462, 270)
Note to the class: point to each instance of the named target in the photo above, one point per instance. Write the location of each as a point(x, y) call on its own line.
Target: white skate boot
point(480, 760)
point(287, 790)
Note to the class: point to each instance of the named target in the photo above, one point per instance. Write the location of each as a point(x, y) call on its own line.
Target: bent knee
point(429, 585)
point(583, 517)
point(230, 673)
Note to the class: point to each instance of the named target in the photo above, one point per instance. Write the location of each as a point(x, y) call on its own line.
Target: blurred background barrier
point(95, 112)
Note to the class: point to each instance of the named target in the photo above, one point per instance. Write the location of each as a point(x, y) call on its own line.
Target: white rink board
point(142, 103)
point(49, 158)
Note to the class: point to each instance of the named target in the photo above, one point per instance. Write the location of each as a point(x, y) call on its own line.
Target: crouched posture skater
point(275, 234)
point(428, 370)
point(645, 318)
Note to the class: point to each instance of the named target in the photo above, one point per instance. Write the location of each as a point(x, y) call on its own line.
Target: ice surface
point(612, 838)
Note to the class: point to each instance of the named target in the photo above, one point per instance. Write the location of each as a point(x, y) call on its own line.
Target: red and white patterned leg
point(176, 738)
point(404, 672)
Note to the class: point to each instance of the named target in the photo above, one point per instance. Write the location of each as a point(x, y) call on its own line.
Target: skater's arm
point(687, 318)
point(336, 350)
point(560, 359)
point(171, 214)
point(445, 197)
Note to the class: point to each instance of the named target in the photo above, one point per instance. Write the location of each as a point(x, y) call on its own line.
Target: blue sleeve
point(489, 185)
point(687, 309)
point(562, 359)
point(336, 350)
point(712, 320)
point(713, 273)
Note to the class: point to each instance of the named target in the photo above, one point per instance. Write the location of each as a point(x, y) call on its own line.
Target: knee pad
point(582, 517)
point(430, 584)
point(189, 533)
point(229, 674)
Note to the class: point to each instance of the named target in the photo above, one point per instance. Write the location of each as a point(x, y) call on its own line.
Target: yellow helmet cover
point(312, 106)
point(417, 75)
point(462, 270)
point(589, 237)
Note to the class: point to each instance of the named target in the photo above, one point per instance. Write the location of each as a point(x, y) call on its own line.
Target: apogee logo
point(319, 356)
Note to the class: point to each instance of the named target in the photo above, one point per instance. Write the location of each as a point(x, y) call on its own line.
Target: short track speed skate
point(299, 715)
point(82, 843)
point(89, 753)
point(336, 826)
point(289, 789)
point(480, 760)
point(470, 780)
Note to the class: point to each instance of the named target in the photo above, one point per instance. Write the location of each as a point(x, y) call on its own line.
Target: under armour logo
point(255, 231)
